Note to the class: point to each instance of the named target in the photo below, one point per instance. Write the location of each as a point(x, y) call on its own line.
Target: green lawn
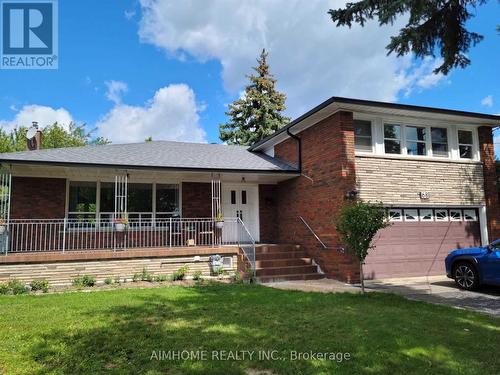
point(117, 331)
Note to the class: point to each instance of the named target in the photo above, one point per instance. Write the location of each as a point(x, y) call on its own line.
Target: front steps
point(283, 262)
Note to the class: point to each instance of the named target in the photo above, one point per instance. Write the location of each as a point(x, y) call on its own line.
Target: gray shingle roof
point(156, 154)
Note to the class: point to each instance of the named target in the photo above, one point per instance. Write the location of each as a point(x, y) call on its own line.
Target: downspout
point(299, 143)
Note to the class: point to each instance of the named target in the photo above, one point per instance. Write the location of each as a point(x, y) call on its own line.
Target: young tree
point(258, 113)
point(431, 25)
point(54, 136)
point(357, 224)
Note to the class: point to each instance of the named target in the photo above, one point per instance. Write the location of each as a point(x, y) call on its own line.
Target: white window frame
point(425, 141)
point(424, 212)
point(372, 137)
point(474, 144)
point(414, 211)
point(452, 128)
point(436, 218)
point(455, 210)
point(391, 218)
point(470, 212)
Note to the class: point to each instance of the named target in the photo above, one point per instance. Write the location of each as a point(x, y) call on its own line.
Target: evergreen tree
point(258, 113)
point(431, 25)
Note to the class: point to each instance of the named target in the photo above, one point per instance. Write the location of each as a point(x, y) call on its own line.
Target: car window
point(495, 245)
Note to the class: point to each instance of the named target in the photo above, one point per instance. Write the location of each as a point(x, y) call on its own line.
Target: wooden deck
point(73, 255)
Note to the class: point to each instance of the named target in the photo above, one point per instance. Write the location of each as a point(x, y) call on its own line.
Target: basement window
point(363, 135)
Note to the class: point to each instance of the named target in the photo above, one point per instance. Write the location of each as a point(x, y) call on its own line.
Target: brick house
point(433, 169)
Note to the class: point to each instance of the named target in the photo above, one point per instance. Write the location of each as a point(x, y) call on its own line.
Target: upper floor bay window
point(439, 138)
point(363, 135)
point(465, 144)
point(392, 139)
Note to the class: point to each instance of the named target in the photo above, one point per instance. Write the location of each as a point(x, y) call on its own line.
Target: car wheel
point(466, 276)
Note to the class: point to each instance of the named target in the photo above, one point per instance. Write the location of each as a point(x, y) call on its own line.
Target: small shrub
point(218, 271)
point(197, 275)
point(160, 278)
point(237, 277)
point(180, 274)
point(42, 285)
point(4, 289)
point(84, 281)
point(145, 275)
point(108, 281)
point(117, 280)
point(136, 277)
point(17, 287)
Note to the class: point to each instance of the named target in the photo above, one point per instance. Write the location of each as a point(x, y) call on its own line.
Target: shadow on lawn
point(253, 318)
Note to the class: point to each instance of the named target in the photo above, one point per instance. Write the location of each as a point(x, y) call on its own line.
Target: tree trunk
point(361, 277)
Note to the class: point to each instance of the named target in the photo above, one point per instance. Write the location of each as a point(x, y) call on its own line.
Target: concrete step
point(277, 278)
point(272, 263)
point(281, 255)
point(292, 270)
point(276, 248)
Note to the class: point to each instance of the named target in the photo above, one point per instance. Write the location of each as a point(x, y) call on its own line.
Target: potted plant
point(121, 223)
point(3, 226)
point(219, 221)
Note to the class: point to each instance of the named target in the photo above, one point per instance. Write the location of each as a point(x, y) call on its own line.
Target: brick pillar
point(490, 181)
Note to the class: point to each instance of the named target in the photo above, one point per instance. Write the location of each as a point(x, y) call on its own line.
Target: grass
point(117, 332)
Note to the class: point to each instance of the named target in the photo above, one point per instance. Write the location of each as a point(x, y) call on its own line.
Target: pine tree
point(258, 113)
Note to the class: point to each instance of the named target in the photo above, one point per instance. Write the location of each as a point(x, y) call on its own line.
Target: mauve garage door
point(418, 241)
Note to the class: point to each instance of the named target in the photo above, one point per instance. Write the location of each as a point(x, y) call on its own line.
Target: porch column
point(5, 189)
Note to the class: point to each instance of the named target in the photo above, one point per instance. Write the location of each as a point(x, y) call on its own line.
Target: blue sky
point(168, 68)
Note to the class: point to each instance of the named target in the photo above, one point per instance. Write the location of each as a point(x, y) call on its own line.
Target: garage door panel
point(418, 248)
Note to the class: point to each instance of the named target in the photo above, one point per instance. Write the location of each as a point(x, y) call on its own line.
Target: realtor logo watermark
point(29, 34)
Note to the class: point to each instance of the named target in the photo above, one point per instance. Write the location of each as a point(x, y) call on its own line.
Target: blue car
point(474, 266)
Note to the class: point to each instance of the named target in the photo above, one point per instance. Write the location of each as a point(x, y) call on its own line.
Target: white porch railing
point(42, 235)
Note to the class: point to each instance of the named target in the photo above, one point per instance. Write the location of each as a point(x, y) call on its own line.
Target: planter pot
point(120, 227)
point(219, 224)
point(3, 229)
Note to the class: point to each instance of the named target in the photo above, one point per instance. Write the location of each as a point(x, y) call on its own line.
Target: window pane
point(233, 196)
point(82, 196)
point(167, 198)
point(363, 143)
point(465, 152)
point(439, 135)
point(243, 197)
point(395, 215)
point(140, 198)
point(392, 131)
point(411, 215)
point(465, 137)
point(107, 197)
point(416, 148)
point(441, 215)
point(414, 133)
point(392, 147)
point(363, 128)
point(426, 215)
point(439, 149)
point(455, 215)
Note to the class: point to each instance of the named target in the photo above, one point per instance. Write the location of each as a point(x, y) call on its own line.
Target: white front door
point(241, 201)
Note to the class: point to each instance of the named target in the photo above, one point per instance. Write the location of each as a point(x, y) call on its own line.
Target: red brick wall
point(196, 200)
point(490, 181)
point(328, 163)
point(268, 213)
point(38, 198)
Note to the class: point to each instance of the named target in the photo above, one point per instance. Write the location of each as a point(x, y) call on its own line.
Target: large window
point(392, 139)
point(140, 200)
point(82, 200)
point(439, 138)
point(167, 200)
point(465, 144)
point(363, 135)
point(416, 140)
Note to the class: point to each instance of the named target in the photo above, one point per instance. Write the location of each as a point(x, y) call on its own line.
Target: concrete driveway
point(438, 289)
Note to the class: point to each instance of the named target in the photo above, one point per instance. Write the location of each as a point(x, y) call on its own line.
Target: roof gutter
point(299, 145)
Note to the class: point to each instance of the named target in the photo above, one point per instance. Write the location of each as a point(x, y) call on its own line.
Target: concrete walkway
point(435, 289)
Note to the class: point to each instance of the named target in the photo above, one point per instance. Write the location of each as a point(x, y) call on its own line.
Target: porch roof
point(156, 155)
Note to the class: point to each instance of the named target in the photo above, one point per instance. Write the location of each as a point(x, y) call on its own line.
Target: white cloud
point(129, 14)
point(172, 114)
point(115, 90)
point(42, 114)
point(311, 58)
point(487, 101)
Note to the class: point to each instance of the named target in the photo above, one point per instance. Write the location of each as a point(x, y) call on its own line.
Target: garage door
point(419, 239)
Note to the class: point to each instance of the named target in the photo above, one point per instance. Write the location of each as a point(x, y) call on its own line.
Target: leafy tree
point(54, 136)
point(258, 113)
point(432, 24)
point(358, 222)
